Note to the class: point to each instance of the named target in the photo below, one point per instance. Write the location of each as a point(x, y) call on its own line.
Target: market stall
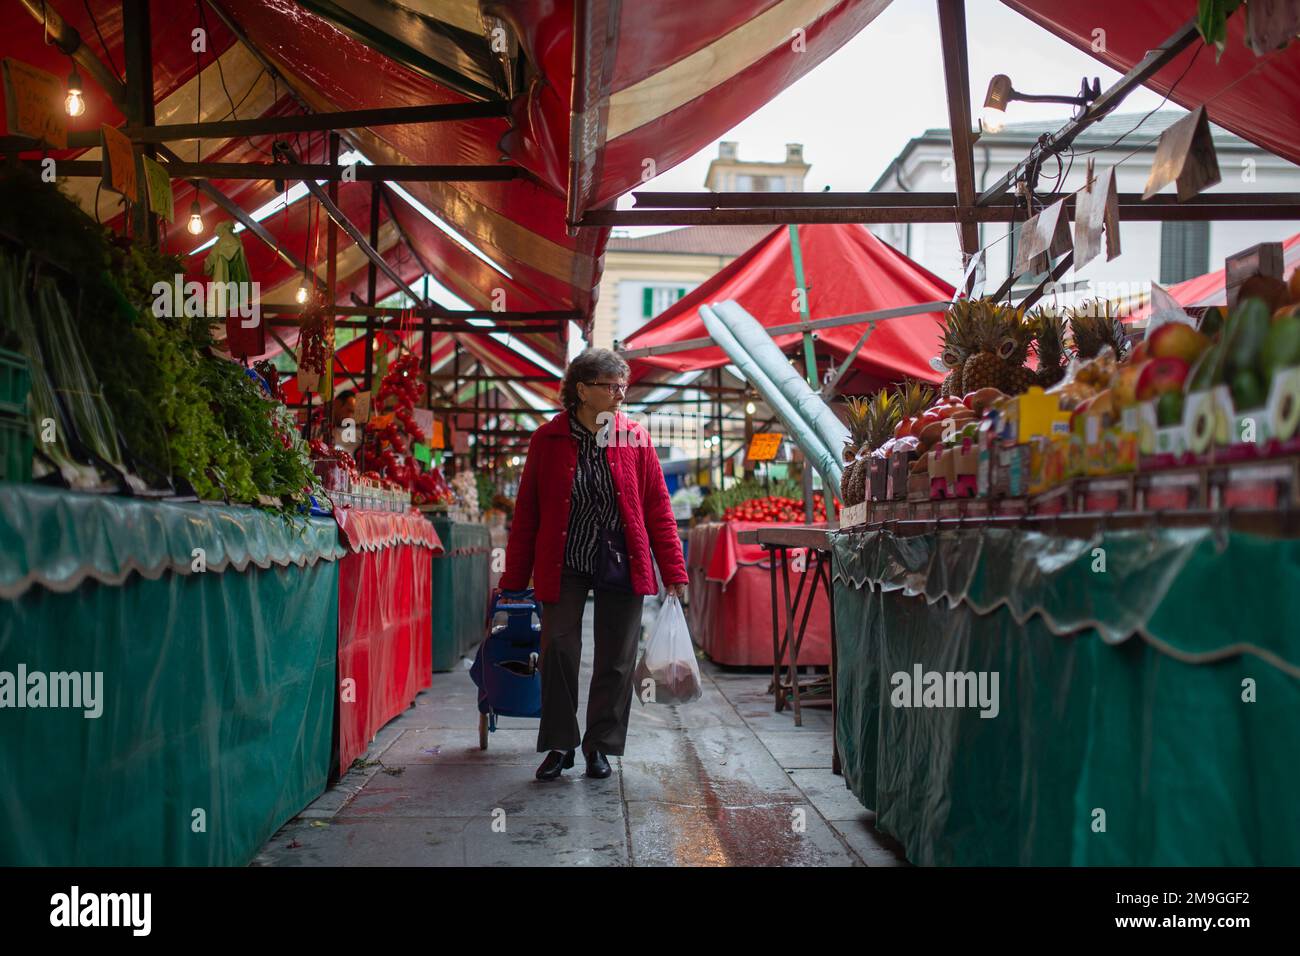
point(385, 611)
point(168, 675)
point(1135, 714)
point(460, 589)
point(731, 611)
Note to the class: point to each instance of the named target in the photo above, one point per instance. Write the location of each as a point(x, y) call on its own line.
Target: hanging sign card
point(1042, 236)
point(160, 189)
point(33, 103)
point(119, 163)
point(1096, 209)
point(764, 446)
point(1185, 156)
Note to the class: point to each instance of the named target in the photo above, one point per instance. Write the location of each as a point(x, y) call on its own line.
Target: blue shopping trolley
point(505, 667)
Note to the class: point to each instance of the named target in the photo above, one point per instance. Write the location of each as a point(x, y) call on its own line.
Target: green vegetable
point(1250, 325)
point(1281, 347)
point(1169, 409)
point(1246, 392)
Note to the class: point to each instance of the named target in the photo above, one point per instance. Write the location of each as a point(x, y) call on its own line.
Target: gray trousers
point(617, 627)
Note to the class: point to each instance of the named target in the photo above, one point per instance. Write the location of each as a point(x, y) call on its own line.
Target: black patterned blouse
point(594, 503)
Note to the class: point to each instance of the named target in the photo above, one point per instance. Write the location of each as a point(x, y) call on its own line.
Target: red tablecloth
point(385, 617)
point(731, 599)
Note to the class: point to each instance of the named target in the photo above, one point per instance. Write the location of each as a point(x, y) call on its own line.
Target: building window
point(657, 298)
point(1184, 251)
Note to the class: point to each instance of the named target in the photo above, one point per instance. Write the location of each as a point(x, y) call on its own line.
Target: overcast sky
point(857, 110)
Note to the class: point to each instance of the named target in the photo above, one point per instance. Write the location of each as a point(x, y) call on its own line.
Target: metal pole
point(372, 278)
point(331, 272)
point(138, 53)
point(809, 355)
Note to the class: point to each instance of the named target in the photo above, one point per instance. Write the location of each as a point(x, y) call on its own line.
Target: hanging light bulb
point(196, 219)
point(75, 103)
point(514, 460)
point(301, 295)
point(750, 408)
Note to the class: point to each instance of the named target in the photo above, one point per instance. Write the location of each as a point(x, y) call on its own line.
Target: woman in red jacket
point(591, 510)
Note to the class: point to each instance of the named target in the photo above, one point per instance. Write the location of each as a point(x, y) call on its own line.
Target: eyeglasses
point(614, 388)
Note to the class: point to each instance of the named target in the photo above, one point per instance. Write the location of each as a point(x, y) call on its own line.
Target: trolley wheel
point(482, 731)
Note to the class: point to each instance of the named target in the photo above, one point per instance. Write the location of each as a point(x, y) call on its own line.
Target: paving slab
point(781, 834)
point(722, 781)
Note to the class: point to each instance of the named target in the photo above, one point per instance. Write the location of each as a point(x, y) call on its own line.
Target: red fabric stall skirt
point(385, 618)
point(731, 599)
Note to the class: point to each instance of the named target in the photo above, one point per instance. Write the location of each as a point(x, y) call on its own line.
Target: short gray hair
point(588, 366)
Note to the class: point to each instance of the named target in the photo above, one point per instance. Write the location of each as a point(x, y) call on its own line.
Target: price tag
point(34, 103)
point(436, 439)
point(361, 411)
point(764, 446)
point(119, 162)
point(160, 189)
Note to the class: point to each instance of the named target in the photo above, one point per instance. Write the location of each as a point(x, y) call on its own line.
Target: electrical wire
point(1155, 109)
point(108, 54)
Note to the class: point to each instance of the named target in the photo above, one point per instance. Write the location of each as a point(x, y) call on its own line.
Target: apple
point(1177, 340)
point(1141, 352)
point(1161, 375)
point(1126, 381)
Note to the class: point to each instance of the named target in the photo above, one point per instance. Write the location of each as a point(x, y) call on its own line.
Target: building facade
point(1166, 252)
point(644, 275)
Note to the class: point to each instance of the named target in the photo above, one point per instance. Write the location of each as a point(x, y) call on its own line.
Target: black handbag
point(612, 571)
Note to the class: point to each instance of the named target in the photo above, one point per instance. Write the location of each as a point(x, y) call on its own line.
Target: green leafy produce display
point(151, 383)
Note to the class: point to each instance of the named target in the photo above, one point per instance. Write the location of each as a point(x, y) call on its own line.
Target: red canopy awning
point(1210, 289)
point(847, 270)
point(1258, 98)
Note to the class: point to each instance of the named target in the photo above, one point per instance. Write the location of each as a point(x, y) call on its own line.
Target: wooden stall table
point(778, 541)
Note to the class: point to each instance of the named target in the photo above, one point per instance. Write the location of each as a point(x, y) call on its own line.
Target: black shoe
point(555, 761)
point(597, 765)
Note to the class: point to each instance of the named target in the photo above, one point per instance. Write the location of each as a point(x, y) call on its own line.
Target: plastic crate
point(15, 383)
point(15, 449)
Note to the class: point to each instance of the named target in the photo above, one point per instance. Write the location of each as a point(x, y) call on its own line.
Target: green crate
point(15, 449)
point(15, 383)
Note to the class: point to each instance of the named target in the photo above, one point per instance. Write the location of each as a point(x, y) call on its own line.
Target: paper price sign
point(33, 103)
point(764, 446)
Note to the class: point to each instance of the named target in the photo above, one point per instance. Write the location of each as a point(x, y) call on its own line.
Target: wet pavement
point(723, 781)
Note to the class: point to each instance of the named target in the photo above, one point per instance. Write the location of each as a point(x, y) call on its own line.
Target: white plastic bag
point(669, 660)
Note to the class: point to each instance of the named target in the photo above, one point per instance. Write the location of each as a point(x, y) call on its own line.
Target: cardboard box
point(1034, 413)
point(1265, 259)
point(918, 487)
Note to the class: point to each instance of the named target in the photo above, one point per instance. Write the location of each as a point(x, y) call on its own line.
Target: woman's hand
point(678, 591)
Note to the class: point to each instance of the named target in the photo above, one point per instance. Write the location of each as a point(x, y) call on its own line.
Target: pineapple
point(1016, 376)
point(913, 397)
point(993, 342)
point(857, 412)
point(956, 345)
point(1049, 342)
point(1093, 326)
point(885, 413)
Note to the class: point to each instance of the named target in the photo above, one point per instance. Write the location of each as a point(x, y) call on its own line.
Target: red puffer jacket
point(541, 518)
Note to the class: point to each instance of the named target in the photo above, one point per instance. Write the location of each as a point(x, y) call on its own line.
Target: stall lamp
point(750, 408)
point(993, 118)
point(196, 219)
point(301, 295)
point(514, 460)
point(75, 103)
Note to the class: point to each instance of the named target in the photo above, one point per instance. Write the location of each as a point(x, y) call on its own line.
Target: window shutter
point(1184, 251)
point(647, 302)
